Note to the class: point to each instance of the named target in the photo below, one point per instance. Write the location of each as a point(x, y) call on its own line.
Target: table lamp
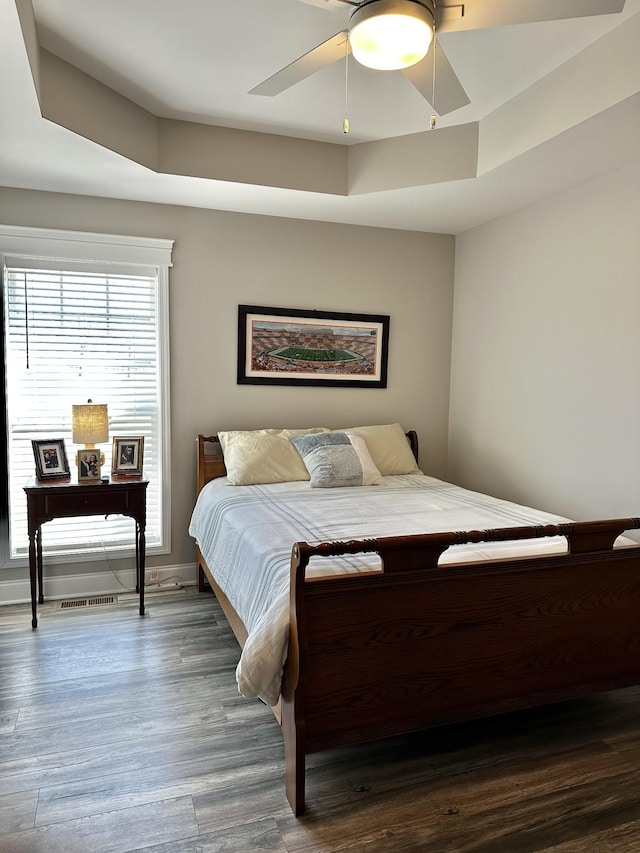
point(90, 424)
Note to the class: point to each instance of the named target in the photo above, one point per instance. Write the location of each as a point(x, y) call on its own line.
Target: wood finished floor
point(121, 734)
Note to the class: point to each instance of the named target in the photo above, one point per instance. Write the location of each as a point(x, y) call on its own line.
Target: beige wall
point(545, 397)
point(223, 259)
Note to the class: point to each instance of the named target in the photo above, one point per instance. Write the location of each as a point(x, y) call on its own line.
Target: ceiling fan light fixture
point(391, 34)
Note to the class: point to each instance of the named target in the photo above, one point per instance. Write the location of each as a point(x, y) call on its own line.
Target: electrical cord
point(174, 580)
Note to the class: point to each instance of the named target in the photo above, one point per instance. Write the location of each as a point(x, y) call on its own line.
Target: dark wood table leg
point(140, 550)
point(33, 560)
point(39, 563)
point(138, 556)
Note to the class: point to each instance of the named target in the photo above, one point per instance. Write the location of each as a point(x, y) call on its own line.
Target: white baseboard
point(94, 583)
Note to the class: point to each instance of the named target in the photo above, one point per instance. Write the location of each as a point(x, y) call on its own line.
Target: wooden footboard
point(418, 645)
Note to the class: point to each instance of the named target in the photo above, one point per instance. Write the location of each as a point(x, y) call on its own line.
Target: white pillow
point(389, 448)
point(257, 456)
point(336, 459)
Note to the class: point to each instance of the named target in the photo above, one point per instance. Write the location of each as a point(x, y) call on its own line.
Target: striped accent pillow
point(336, 459)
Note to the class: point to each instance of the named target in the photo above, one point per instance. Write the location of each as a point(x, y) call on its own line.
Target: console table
point(64, 499)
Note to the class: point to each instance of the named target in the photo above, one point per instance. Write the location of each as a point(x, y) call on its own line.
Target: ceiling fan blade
point(450, 95)
point(479, 14)
point(332, 5)
point(319, 57)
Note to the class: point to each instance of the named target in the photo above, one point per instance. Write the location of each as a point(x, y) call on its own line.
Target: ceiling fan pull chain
point(432, 119)
point(345, 123)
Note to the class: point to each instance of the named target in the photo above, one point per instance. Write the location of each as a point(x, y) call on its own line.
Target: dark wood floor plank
point(251, 837)
point(220, 809)
point(17, 811)
point(220, 770)
point(109, 832)
point(123, 755)
point(618, 839)
point(103, 731)
point(169, 693)
point(8, 720)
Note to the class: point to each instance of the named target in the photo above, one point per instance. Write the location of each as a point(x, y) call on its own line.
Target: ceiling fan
point(371, 21)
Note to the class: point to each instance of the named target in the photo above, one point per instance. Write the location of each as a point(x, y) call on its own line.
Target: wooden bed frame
point(416, 645)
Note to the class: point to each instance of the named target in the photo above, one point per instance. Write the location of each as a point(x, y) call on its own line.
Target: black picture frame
point(51, 458)
point(272, 343)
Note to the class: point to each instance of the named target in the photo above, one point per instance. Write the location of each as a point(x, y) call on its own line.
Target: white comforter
point(246, 533)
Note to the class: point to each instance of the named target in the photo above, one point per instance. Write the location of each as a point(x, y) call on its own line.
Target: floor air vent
point(74, 603)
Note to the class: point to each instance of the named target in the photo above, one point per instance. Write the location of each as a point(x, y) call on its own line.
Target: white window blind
point(76, 331)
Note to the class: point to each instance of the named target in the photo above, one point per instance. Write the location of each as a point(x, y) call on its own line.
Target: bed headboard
point(210, 461)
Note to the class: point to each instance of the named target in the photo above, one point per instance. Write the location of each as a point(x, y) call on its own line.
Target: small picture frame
point(88, 462)
point(51, 458)
point(127, 455)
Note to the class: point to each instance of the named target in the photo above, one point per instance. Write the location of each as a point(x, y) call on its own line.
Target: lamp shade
point(391, 34)
point(90, 423)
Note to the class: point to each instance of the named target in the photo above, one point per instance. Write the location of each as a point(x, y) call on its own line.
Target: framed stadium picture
point(289, 346)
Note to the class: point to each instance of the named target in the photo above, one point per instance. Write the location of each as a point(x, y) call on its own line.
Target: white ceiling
point(196, 61)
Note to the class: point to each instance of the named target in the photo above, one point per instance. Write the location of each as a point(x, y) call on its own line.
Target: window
point(78, 329)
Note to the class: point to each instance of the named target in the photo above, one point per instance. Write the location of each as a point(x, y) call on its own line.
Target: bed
point(394, 633)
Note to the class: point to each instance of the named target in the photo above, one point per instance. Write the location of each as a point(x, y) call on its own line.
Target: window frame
point(120, 253)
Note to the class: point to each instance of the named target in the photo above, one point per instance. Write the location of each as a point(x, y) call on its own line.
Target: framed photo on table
point(127, 456)
point(88, 462)
point(51, 458)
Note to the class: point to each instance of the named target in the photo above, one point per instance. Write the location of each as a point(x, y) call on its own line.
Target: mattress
point(246, 533)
